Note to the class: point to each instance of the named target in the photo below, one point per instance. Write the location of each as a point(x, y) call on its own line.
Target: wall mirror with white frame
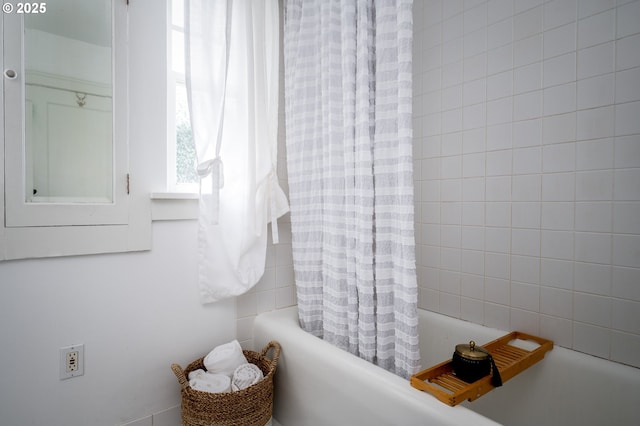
point(65, 130)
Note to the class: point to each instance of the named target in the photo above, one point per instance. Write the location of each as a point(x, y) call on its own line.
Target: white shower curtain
point(349, 154)
point(232, 58)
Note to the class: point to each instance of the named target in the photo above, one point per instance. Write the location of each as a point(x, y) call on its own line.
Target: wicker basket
point(252, 406)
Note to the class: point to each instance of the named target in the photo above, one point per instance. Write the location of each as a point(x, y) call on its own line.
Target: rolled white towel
point(224, 359)
point(211, 382)
point(195, 373)
point(246, 375)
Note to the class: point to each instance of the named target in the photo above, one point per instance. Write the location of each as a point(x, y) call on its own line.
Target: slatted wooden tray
point(441, 381)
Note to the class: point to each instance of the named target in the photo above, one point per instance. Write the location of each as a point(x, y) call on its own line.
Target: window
point(181, 173)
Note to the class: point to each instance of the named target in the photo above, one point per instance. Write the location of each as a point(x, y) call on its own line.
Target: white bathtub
point(318, 384)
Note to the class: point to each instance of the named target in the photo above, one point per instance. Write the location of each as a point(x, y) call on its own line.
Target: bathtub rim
point(292, 338)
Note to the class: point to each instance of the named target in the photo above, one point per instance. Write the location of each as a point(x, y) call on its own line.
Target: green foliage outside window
point(186, 160)
point(185, 154)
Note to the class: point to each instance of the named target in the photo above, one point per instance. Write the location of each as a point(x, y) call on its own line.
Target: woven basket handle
point(276, 353)
point(182, 377)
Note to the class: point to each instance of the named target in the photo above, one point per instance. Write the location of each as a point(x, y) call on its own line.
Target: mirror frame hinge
point(128, 183)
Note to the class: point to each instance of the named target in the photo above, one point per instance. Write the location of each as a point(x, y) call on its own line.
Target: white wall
point(527, 167)
point(136, 313)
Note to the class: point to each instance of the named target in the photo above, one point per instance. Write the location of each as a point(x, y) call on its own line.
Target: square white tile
point(527, 51)
point(524, 320)
point(559, 99)
point(498, 164)
point(558, 187)
point(497, 316)
point(472, 286)
point(595, 154)
point(559, 12)
point(498, 188)
point(626, 250)
point(593, 247)
point(595, 123)
point(556, 302)
point(525, 214)
point(499, 111)
point(557, 244)
point(526, 269)
point(626, 217)
point(628, 19)
point(627, 87)
point(558, 216)
point(626, 316)
point(592, 278)
point(473, 214)
point(527, 133)
point(559, 157)
point(558, 330)
point(600, 59)
point(591, 339)
point(592, 309)
point(527, 160)
point(556, 273)
point(624, 348)
point(594, 216)
point(628, 52)
point(597, 29)
point(497, 265)
point(560, 40)
point(627, 114)
point(596, 91)
point(526, 187)
point(527, 23)
point(527, 106)
point(500, 33)
point(594, 185)
point(559, 69)
point(496, 290)
point(499, 10)
point(626, 187)
point(527, 78)
point(498, 240)
point(559, 128)
point(499, 137)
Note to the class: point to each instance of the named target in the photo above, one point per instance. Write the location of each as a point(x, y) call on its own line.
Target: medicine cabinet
point(65, 132)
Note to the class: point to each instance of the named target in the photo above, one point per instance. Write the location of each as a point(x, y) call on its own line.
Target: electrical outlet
point(71, 361)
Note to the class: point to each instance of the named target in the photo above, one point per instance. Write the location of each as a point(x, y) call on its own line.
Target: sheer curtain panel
point(231, 50)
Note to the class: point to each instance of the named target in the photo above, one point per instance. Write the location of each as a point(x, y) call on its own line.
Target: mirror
point(68, 57)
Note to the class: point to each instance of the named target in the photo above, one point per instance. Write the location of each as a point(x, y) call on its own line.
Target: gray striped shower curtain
point(348, 86)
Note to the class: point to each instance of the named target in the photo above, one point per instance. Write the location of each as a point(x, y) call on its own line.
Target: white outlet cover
point(64, 372)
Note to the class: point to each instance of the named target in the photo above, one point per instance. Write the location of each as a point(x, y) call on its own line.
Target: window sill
point(174, 206)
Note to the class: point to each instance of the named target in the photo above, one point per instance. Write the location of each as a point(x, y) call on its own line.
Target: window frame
point(174, 80)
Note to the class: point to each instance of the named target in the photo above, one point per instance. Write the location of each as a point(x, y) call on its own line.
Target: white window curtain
point(348, 85)
point(232, 58)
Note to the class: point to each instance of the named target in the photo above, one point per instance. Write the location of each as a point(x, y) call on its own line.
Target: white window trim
point(179, 201)
point(173, 78)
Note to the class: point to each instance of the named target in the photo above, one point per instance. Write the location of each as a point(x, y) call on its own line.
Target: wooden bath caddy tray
point(441, 382)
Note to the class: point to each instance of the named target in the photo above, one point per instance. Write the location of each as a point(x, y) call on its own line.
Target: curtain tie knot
point(273, 184)
point(215, 168)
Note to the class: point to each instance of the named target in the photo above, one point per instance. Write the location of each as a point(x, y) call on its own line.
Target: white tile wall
point(527, 133)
